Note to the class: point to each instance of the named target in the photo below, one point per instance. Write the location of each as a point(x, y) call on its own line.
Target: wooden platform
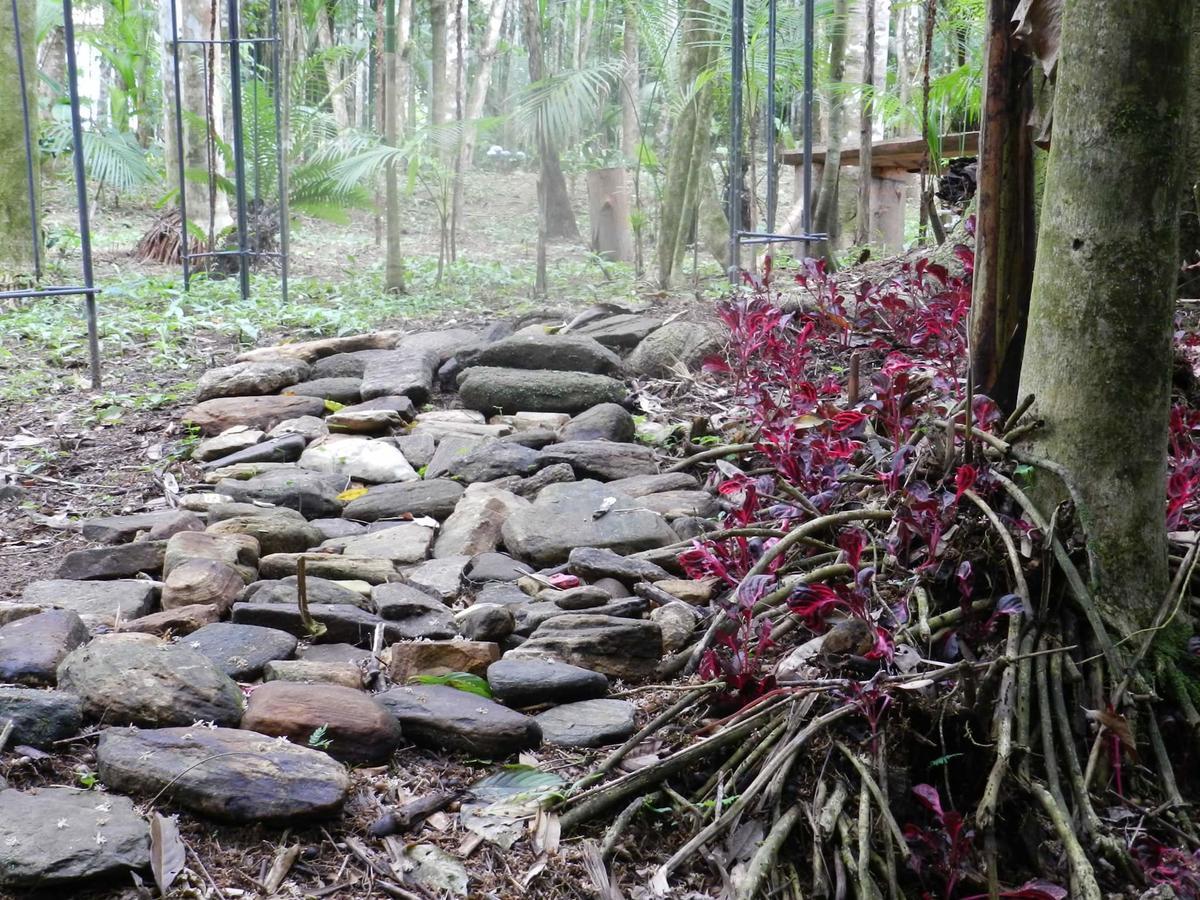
point(900, 154)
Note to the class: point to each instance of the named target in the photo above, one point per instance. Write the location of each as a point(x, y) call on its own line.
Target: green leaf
point(462, 681)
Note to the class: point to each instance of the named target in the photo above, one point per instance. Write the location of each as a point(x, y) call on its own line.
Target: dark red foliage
point(1169, 865)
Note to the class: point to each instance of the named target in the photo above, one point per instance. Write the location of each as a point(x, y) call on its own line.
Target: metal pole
point(806, 219)
point(281, 152)
point(182, 168)
point(239, 150)
point(81, 197)
point(772, 182)
point(737, 49)
point(30, 183)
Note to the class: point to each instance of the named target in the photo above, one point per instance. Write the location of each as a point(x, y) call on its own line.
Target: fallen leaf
point(167, 852)
point(435, 870)
point(1038, 27)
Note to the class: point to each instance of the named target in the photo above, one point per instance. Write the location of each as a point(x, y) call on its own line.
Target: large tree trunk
point(630, 84)
point(1004, 231)
point(1098, 357)
point(333, 73)
point(557, 213)
point(207, 204)
point(479, 89)
point(689, 151)
point(1189, 223)
point(398, 25)
point(16, 220)
point(825, 213)
point(439, 88)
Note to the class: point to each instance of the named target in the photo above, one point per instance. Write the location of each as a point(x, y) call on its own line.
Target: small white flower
point(106, 806)
point(101, 839)
point(145, 755)
point(60, 824)
point(281, 740)
point(195, 645)
point(103, 820)
point(187, 736)
point(11, 842)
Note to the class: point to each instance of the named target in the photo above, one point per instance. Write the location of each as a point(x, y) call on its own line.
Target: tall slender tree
point(1098, 356)
point(397, 27)
point(557, 213)
point(16, 221)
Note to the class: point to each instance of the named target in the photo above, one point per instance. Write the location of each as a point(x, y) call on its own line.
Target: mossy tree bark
point(689, 152)
point(1098, 354)
point(16, 221)
point(397, 47)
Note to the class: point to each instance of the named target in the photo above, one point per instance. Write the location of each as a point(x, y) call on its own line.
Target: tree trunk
point(1004, 230)
point(1098, 357)
point(397, 28)
point(333, 74)
point(689, 148)
point(866, 131)
point(479, 89)
point(207, 204)
point(1189, 223)
point(608, 214)
point(16, 218)
point(630, 85)
point(558, 216)
point(825, 213)
point(439, 89)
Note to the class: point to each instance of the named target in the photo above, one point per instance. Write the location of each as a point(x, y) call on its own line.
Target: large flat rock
point(435, 498)
point(603, 460)
point(53, 837)
point(621, 648)
point(135, 679)
point(559, 352)
point(363, 459)
point(40, 717)
point(564, 517)
point(31, 648)
point(446, 718)
point(223, 773)
point(244, 379)
point(214, 416)
point(241, 651)
point(494, 390)
point(126, 598)
point(530, 682)
point(407, 373)
point(123, 561)
point(312, 494)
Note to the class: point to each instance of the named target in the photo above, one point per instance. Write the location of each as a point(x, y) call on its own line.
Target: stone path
point(493, 545)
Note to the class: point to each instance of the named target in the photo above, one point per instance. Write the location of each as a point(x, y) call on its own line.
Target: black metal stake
point(239, 159)
point(772, 179)
point(30, 183)
point(81, 198)
point(809, 29)
point(280, 151)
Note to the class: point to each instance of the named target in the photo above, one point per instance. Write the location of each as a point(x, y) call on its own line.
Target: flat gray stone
point(435, 498)
point(530, 616)
point(319, 590)
point(127, 598)
point(443, 717)
point(122, 529)
point(312, 494)
point(491, 390)
point(531, 682)
point(606, 422)
point(31, 648)
point(40, 717)
point(485, 567)
point(402, 544)
point(241, 651)
point(284, 449)
point(451, 449)
point(564, 517)
point(135, 679)
point(592, 563)
point(621, 648)
point(414, 612)
point(439, 577)
point(339, 390)
point(418, 449)
point(495, 459)
point(245, 379)
point(223, 773)
point(121, 561)
point(360, 458)
point(623, 331)
point(48, 837)
point(604, 460)
point(641, 485)
point(347, 365)
point(476, 523)
point(344, 624)
point(486, 622)
point(277, 529)
point(561, 352)
point(403, 372)
point(588, 723)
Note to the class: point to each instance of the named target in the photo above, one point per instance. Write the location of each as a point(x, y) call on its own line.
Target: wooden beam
point(899, 153)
